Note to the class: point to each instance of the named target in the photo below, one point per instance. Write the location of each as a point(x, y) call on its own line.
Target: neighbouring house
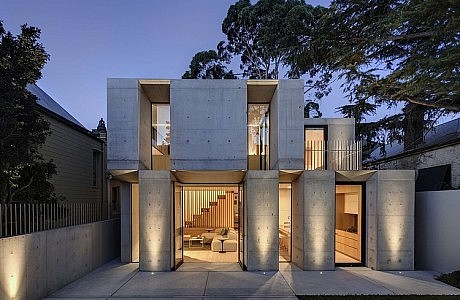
point(79, 154)
point(437, 159)
point(231, 171)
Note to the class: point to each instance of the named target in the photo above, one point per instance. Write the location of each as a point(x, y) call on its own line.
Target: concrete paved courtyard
point(226, 280)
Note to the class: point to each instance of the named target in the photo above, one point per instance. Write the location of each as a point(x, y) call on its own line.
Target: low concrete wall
point(437, 242)
point(34, 265)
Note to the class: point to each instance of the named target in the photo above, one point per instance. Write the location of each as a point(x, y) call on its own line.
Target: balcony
point(333, 155)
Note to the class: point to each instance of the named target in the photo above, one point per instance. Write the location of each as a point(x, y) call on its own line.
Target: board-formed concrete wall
point(208, 124)
point(262, 203)
point(390, 200)
point(437, 242)
point(286, 128)
point(34, 265)
point(154, 220)
point(313, 220)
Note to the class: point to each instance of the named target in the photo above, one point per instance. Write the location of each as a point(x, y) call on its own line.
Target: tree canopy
point(24, 174)
point(388, 53)
point(208, 65)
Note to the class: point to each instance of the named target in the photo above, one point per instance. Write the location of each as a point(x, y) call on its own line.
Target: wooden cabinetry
point(348, 243)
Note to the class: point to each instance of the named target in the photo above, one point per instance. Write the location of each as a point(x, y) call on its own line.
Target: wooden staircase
point(216, 214)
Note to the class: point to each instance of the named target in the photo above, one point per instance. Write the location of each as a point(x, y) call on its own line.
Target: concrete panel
point(392, 198)
point(13, 277)
point(262, 202)
point(286, 127)
point(436, 231)
point(122, 124)
point(36, 265)
point(154, 220)
point(297, 223)
point(126, 233)
point(371, 221)
point(208, 124)
point(319, 218)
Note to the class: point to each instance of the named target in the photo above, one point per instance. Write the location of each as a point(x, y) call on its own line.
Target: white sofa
point(213, 238)
point(230, 245)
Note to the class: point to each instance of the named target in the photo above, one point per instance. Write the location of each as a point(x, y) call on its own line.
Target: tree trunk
point(414, 125)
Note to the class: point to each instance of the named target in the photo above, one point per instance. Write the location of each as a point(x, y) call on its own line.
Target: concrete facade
point(436, 231)
point(314, 220)
point(34, 265)
point(209, 145)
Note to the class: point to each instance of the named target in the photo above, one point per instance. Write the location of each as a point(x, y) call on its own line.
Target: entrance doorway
point(210, 223)
point(349, 224)
point(284, 229)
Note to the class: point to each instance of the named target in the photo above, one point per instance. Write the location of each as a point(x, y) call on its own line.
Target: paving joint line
point(113, 294)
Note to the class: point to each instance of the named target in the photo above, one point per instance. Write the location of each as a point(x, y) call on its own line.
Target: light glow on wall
point(14, 270)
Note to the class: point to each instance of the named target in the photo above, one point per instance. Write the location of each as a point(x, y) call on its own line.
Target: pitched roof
point(45, 101)
point(439, 135)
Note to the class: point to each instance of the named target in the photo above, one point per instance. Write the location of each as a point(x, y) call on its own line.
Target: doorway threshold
point(209, 267)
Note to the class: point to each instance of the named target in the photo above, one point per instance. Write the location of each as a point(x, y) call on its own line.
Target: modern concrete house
point(232, 167)
point(79, 155)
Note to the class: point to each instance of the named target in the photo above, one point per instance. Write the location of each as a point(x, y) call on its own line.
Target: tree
point(208, 65)
point(388, 53)
point(23, 172)
point(260, 35)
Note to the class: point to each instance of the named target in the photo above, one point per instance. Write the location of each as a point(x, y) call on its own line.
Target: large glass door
point(241, 229)
point(178, 229)
point(349, 224)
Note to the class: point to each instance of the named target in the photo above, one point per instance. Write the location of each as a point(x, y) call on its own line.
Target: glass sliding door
point(178, 257)
point(349, 224)
point(241, 229)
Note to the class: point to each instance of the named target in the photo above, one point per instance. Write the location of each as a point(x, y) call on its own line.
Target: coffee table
point(222, 240)
point(195, 238)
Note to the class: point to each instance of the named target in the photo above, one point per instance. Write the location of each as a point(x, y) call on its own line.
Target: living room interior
point(210, 223)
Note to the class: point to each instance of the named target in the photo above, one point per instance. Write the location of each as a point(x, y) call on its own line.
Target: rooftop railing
point(23, 218)
point(333, 155)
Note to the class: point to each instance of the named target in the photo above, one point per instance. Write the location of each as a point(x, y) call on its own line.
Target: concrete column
point(154, 220)
point(392, 226)
point(262, 202)
point(314, 220)
point(125, 207)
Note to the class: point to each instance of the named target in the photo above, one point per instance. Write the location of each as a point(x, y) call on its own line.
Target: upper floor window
point(315, 148)
point(161, 136)
point(258, 136)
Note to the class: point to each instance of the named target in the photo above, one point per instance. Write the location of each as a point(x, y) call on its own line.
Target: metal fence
point(22, 218)
point(333, 155)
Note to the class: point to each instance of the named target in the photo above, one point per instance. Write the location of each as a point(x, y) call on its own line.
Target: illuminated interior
point(348, 224)
point(258, 136)
point(285, 222)
point(210, 213)
point(161, 137)
point(315, 147)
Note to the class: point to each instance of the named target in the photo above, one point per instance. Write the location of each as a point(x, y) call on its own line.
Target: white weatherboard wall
point(208, 124)
point(437, 231)
point(34, 265)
